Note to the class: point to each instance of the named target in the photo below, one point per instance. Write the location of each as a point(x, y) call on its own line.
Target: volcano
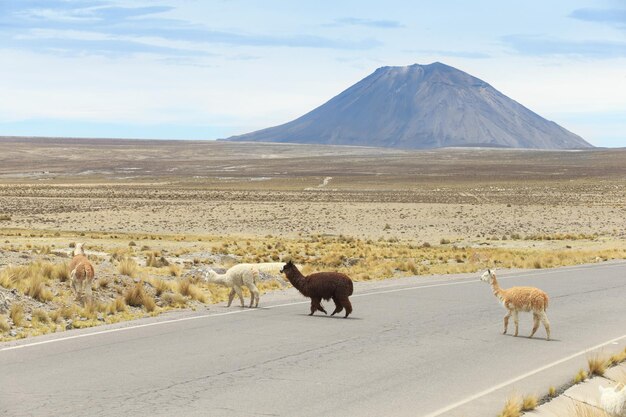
point(419, 107)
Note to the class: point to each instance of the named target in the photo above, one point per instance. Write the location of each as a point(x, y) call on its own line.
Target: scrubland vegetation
point(145, 274)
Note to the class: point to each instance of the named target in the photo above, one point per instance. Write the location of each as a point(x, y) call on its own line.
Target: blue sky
point(191, 69)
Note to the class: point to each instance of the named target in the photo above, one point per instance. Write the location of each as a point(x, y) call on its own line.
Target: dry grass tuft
point(174, 270)
point(36, 288)
point(129, 267)
point(103, 282)
point(186, 288)
point(137, 297)
point(580, 376)
point(617, 358)
point(17, 314)
point(40, 316)
point(61, 272)
point(529, 402)
point(4, 324)
point(29, 279)
point(174, 300)
point(551, 391)
point(155, 260)
point(160, 286)
point(512, 408)
point(116, 306)
point(597, 365)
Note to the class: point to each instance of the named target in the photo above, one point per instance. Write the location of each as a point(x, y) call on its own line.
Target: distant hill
point(421, 106)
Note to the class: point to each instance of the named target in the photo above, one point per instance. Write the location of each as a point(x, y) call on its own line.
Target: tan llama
point(516, 299)
point(81, 273)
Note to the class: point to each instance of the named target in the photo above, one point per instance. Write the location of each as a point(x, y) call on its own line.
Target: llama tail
point(350, 287)
point(255, 275)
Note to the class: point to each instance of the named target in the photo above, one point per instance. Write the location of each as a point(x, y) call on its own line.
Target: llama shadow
point(539, 339)
point(336, 316)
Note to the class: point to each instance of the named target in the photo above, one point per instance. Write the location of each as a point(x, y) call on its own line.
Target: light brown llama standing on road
point(81, 273)
point(516, 299)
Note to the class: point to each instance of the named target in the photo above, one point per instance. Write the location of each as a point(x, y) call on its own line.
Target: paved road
point(413, 347)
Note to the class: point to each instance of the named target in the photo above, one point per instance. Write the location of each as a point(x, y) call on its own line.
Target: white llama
point(613, 400)
point(516, 299)
point(235, 278)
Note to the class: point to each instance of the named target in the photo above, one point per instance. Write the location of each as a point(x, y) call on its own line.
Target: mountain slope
point(421, 106)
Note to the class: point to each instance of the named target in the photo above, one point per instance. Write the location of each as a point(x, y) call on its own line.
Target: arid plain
point(373, 213)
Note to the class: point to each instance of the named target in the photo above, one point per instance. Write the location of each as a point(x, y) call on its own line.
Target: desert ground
point(372, 213)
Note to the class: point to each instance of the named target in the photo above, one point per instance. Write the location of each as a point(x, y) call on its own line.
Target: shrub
point(17, 314)
point(128, 267)
point(597, 365)
point(512, 408)
point(174, 270)
point(174, 300)
point(137, 297)
point(186, 288)
point(4, 324)
point(40, 316)
point(61, 272)
point(116, 306)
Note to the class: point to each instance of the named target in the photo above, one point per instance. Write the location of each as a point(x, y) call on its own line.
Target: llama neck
point(297, 280)
point(495, 287)
point(218, 279)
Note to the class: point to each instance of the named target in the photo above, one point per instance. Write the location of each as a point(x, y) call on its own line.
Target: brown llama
point(81, 273)
point(322, 285)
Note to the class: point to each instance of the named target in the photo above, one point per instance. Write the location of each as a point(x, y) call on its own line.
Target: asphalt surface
point(413, 347)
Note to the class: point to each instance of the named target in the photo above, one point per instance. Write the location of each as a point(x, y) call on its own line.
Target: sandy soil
point(222, 188)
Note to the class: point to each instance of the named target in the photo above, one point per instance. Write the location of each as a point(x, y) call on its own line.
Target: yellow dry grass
point(597, 365)
point(116, 306)
point(174, 270)
point(137, 297)
point(187, 288)
point(584, 410)
point(16, 312)
point(29, 279)
point(551, 391)
point(174, 300)
point(617, 358)
point(129, 267)
point(512, 408)
point(580, 376)
point(529, 402)
point(161, 286)
point(39, 316)
point(4, 323)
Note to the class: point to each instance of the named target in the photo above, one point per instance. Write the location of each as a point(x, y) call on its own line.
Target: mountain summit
point(421, 106)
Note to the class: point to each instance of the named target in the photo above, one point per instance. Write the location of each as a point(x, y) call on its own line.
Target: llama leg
point(81, 291)
point(315, 305)
point(73, 282)
point(239, 294)
point(516, 321)
point(87, 290)
point(254, 295)
point(338, 306)
point(348, 306)
point(535, 324)
point(546, 324)
point(506, 321)
point(231, 296)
